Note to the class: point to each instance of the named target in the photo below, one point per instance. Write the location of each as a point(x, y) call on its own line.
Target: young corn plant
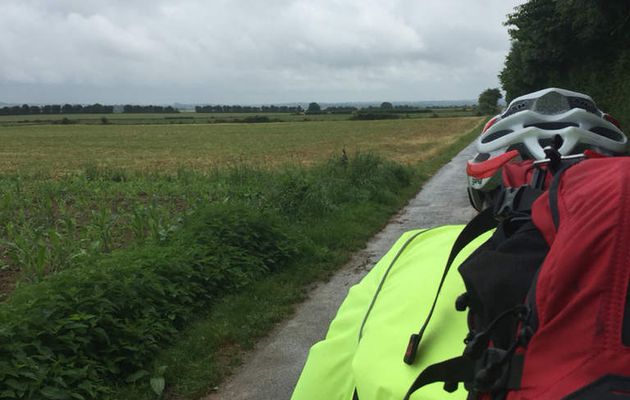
point(102, 229)
point(139, 223)
point(27, 249)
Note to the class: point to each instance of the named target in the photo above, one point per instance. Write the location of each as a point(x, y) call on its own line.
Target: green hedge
point(72, 334)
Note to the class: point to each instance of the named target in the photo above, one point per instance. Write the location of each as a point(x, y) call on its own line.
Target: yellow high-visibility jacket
point(366, 353)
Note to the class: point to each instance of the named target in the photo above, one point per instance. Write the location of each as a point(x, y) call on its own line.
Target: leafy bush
point(66, 335)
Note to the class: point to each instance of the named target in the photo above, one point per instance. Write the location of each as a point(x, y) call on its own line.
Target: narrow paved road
point(272, 369)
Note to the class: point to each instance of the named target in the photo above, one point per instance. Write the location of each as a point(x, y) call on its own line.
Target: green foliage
point(575, 44)
point(71, 334)
point(313, 108)
point(487, 103)
point(207, 351)
point(53, 222)
point(77, 329)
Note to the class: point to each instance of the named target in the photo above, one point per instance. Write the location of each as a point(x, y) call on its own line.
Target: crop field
point(74, 192)
point(205, 118)
point(160, 222)
point(58, 149)
point(159, 118)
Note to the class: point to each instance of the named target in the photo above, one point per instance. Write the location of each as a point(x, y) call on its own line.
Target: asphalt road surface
point(273, 367)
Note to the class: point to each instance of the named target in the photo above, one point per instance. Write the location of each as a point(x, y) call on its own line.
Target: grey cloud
point(249, 51)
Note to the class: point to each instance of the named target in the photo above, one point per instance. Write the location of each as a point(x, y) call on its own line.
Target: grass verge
point(211, 347)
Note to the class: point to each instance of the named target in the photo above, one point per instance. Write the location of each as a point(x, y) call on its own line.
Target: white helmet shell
point(532, 122)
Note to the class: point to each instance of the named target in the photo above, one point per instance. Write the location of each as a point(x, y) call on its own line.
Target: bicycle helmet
point(529, 124)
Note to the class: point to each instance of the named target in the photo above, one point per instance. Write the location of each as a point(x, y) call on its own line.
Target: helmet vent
point(578, 102)
point(607, 133)
point(495, 135)
point(517, 107)
point(482, 157)
point(552, 126)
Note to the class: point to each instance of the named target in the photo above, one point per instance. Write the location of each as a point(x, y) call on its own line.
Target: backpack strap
point(553, 195)
point(452, 371)
point(483, 222)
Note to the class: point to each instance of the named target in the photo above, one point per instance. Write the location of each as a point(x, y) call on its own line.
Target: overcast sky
point(249, 51)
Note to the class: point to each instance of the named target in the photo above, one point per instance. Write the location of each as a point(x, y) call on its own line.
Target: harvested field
point(59, 149)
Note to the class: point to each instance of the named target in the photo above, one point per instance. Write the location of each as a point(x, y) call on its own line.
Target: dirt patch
point(8, 280)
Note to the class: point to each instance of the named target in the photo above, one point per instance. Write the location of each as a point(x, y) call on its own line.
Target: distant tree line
point(574, 44)
point(248, 109)
point(26, 109)
point(385, 108)
point(82, 109)
point(128, 108)
point(388, 107)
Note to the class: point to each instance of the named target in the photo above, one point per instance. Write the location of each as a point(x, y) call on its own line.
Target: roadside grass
point(208, 350)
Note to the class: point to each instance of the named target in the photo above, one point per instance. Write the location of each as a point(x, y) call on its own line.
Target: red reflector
point(588, 153)
point(489, 124)
point(488, 168)
point(612, 120)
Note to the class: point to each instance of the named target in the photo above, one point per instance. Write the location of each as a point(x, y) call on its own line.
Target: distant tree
point(313, 108)
point(386, 105)
point(488, 99)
